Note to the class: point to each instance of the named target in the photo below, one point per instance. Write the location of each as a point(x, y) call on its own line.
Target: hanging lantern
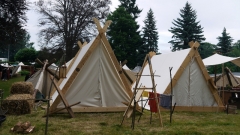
point(63, 71)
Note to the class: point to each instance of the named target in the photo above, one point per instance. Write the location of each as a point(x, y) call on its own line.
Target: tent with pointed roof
point(234, 80)
point(94, 78)
point(193, 89)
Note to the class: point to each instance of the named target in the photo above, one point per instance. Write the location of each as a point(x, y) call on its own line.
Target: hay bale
point(29, 88)
point(22, 88)
point(18, 104)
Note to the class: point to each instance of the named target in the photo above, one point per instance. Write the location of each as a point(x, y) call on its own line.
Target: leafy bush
point(24, 72)
point(26, 55)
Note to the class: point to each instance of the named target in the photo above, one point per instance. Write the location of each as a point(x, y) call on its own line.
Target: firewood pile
point(21, 100)
point(23, 127)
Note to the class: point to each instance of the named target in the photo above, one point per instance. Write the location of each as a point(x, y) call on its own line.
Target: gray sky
point(213, 15)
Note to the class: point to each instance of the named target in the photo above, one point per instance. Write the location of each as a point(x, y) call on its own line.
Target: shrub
point(24, 72)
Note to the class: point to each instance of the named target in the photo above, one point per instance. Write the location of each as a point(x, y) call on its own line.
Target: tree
point(206, 49)
point(67, 21)
point(26, 42)
point(235, 51)
point(186, 29)
point(123, 36)
point(225, 42)
point(149, 36)
point(12, 20)
point(26, 55)
point(131, 8)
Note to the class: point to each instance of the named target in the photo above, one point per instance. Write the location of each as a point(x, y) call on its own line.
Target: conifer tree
point(149, 36)
point(225, 42)
point(131, 7)
point(186, 29)
point(123, 36)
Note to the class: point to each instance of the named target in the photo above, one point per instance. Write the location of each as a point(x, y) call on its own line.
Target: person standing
point(1, 68)
point(8, 73)
point(4, 74)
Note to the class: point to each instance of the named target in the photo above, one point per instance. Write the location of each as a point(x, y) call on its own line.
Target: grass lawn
point(183, 123)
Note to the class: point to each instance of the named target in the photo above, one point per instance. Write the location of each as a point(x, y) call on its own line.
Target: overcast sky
point(213, 15)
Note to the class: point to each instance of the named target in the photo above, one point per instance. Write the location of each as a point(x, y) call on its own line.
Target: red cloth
point(152, 102)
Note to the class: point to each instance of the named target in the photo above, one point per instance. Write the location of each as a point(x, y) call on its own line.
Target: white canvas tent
point(94, 79)
point(41, 82)
point(193, 89)
point(18, 68)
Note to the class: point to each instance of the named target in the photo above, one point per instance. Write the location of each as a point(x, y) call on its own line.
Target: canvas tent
point(17, 68)
point(129, 74)
point(94, 78)
point(41, 82)
point(220, 78)
point(193, 89)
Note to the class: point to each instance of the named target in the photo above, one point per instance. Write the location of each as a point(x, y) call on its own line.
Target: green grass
point(6, 85)
point(183, 123)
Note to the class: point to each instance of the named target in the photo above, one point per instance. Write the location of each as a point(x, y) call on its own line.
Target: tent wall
point(44, 87)
point(192, 89)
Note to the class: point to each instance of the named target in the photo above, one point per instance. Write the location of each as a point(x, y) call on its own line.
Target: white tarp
point(217, 59)
point(191, 88)
point(97, 84)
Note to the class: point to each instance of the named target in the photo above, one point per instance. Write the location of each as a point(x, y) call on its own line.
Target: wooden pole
point(171, 110)
point(223, 83)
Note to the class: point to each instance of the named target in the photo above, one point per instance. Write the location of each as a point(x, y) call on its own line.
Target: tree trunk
point(69, 54)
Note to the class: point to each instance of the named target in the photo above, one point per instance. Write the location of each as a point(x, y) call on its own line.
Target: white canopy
point(217, 59)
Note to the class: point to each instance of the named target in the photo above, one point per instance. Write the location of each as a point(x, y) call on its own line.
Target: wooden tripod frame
point(132, 106)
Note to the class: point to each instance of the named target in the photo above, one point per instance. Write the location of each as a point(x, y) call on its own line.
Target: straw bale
point(22, 88)
point(29, 88)
point(17, 104)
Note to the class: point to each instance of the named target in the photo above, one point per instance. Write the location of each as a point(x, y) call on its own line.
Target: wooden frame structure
point(101, 37)
point(132, 105)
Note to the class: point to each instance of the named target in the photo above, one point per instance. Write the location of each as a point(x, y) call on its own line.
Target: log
point(29, 130)
point(26, 125)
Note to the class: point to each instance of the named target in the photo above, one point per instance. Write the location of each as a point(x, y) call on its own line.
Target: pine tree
point(124, 36)
point(149, 36)
point(206, 49)
point(225, 42)
point(131, 8)
point(186, 29)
